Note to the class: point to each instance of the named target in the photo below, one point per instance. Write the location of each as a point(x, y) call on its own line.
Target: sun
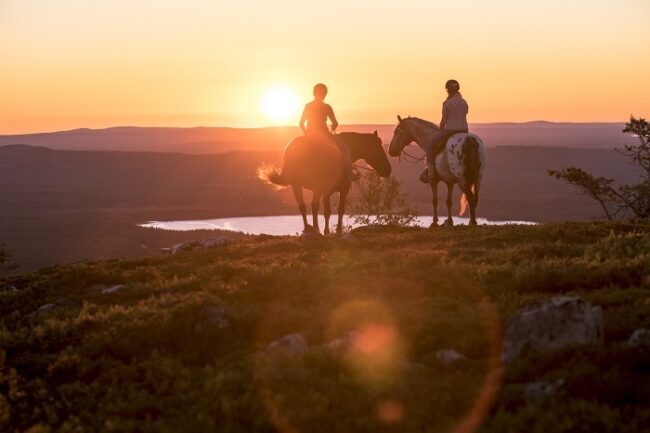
point(280, 105)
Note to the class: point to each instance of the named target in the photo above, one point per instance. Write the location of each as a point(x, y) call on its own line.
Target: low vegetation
point(177, 343)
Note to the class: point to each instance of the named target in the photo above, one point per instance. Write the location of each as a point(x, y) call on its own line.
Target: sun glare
point(280, 105)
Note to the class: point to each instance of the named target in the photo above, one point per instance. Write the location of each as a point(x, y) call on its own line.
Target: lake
point(283, 224)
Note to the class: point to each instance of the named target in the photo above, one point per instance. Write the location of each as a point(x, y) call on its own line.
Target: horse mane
point(422, 122)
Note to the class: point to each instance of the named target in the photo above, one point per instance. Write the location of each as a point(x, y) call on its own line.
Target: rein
point(414, 160)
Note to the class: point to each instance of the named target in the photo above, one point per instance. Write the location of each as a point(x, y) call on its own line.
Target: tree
point(625, 199)
point(381, 201)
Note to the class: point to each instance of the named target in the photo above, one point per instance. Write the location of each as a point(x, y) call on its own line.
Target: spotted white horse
point(462, 161)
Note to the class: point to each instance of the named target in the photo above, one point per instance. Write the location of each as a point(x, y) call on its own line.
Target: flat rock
point(552, 324)
point(289, 345)
point(640, 337)
point(447, 357)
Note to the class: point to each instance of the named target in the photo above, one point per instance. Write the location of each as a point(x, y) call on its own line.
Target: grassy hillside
point(180, 348)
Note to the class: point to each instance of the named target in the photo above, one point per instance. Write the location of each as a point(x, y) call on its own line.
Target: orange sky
point(94, 63)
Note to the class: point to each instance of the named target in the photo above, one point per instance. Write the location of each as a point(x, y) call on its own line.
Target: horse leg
point(472, 200)
point(327, 211)
point(450, 190)
point(315, 203)
point(342, 196)
point(297, 193)
point(434, 202)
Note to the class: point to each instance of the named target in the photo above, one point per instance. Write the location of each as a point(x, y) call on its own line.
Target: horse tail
point(272, 175)
point(472, 165)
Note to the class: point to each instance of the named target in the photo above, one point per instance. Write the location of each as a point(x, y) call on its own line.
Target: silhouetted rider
point(314, 124)
point(454, 120)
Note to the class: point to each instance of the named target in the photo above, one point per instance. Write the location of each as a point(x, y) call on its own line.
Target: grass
point(153, 358)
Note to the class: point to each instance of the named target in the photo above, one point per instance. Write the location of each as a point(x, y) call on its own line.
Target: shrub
point(381, 201)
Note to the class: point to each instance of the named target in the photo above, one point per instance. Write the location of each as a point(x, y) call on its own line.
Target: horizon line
point(342, 126)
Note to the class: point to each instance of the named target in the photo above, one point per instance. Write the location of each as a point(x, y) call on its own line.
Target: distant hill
point(207, 140)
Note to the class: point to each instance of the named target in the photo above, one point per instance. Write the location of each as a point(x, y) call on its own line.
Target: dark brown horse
point(317, 166)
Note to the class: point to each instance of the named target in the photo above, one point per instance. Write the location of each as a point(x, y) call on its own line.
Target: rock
point(8, 288)
point(105, 290)
point(552, 324)
point(342, 344)
point(289, 345)
point(640, 337)
point(537, 392)
point(414, 368)
point(183, 246)
point(449, 356)
point(191, 245)
point(214, 242)
point(311, 235)
point(112, 289)
point(45, 307)
point(214, 317)
point(348, 237)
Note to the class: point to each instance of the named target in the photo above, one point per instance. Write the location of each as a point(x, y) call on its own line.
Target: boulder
point(214, 242)
point(289, 345)
point(214, 317)
point(537, 392)
point(446, 357)
point(552, 324)
point(640, 337)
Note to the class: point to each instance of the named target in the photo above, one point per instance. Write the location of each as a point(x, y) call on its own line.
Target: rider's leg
point(436, 144)
point(344, 149)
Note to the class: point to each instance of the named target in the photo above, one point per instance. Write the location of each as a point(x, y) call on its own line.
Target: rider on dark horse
point(454, 120)
point(315, 117)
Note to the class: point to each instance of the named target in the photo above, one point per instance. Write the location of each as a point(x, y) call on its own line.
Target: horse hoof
point(472, 223)
point(449, 223)
point(433, 225)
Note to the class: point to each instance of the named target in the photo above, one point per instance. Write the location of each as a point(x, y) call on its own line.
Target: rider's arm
point(443, 120)
point(332, 117)
point(303, 119)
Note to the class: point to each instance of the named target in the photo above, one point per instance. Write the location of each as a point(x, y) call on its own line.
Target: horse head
point(376, 156)
point(402, 137)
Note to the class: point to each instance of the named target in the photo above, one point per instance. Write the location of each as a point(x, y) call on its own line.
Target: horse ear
point(376, 134)
point(399, 118)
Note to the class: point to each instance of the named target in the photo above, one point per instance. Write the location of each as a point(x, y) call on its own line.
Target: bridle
point(407, 156)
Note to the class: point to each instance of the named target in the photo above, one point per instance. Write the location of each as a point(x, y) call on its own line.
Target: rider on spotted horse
point(314, 125)
point(454, 121)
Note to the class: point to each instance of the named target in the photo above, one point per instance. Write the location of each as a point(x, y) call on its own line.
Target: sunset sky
point(95, 63)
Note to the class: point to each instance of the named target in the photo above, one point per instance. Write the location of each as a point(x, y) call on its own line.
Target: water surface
point(284, 224)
